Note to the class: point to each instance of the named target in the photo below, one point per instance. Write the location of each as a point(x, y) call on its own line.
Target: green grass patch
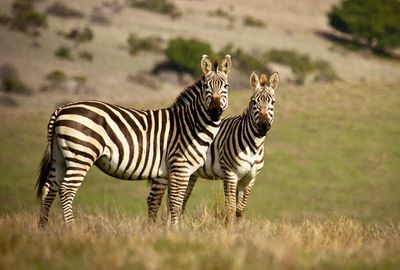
point(333, 151)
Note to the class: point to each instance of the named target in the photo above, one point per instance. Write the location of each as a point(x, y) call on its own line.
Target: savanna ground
point(329, 194)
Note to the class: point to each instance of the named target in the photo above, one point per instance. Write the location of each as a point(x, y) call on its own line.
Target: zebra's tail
point(45, 164)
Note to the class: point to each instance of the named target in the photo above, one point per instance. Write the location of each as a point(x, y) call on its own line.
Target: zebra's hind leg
point(155, 197)
point(72, 181)
point(243, 195)
point(52, 185)
point(49, 193)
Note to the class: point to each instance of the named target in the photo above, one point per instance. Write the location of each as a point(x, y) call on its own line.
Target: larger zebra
point(237, 153)
point(133, 144)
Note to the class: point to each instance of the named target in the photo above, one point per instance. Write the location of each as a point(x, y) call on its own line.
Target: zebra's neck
point(250, 125)
point(189, 96)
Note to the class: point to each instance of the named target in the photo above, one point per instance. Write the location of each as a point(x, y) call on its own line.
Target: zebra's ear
point(226, 64)
point(274, 80)
point(206, 64)
point(254, 80)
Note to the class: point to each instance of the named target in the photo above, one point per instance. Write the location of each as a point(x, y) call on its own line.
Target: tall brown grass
point(102, 240)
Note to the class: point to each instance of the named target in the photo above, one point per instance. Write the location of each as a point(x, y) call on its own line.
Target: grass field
point(328, 197)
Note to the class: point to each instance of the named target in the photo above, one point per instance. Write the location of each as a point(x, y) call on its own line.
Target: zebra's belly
point(135, 171)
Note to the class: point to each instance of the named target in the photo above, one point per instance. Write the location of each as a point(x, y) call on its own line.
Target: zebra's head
point(215, 86)
point(262, 101)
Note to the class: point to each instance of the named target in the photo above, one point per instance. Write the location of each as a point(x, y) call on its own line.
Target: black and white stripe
point(237, 153)
point(133, 144)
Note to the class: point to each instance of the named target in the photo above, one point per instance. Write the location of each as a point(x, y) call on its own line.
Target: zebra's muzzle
point(263, 127)
point(215, 110)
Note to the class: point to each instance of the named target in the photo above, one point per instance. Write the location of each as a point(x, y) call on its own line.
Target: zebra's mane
point(188, 95)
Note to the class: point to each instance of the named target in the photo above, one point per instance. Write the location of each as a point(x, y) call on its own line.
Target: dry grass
point(103, 241)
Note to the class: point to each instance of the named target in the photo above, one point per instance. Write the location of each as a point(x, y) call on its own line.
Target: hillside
point(288, 25)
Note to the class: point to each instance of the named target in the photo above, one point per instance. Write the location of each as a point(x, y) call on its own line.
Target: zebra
point(132, 144)
point(237, 153)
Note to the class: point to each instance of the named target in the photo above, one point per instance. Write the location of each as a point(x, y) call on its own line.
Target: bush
point(254, 22)
point(64, 52)
point(10, 82)
point(86, 55)
point(80, 36)
point(100, 16)
point(59, 9)
point(56, 76)
point(14, 85)
point(223, 14)
point(244, 61)
point(302, 65)
point(136, 44)
point(160, 6)
point(375, 23)
point(25, 18)
point(185, 54)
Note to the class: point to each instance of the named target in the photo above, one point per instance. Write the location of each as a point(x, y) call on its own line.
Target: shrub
point(56, 76)
point(25, 18)
point(136, 44)
point(100, 16)
point(325, 72)
point(80, 36)
point(244, 61)
point(86, 55)
point(223, 14)
point(160, 6)
point(59, 9)
point(253, 22)
point(4, 19)
point(14, 85)
point(302, 65)
point(373, 22)
point(63, 52)
point(10, 82)
point(80, 79)
point(185, 54)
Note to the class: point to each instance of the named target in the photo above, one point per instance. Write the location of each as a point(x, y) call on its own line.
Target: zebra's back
point(124, 143)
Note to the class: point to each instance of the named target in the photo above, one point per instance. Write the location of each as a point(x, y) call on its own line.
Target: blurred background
point(334, 148)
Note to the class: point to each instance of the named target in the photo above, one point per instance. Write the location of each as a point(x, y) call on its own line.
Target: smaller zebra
point(237, 154)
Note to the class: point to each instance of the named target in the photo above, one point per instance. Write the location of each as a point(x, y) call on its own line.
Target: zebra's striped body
point(237, 153)
point(133, 144)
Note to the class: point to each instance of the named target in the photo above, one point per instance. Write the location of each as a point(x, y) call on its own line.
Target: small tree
point(373, 22)
point(185, 54)
point(26, 18)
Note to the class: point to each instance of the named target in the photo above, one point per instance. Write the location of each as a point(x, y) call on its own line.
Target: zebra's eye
point(226, 86)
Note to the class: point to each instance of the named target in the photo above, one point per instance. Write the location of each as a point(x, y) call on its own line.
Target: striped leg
point(177, 190)
point(243, 194)
point(49, 193)
point(50, 189)
point(72, 181)
point(189, 189)
point(155, 197)
point(230, 182)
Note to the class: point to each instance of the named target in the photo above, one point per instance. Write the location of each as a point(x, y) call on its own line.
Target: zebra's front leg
point(177, 189)
point(189, 189)
point(155, 197)
point(243, 195)
point(230, 183)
